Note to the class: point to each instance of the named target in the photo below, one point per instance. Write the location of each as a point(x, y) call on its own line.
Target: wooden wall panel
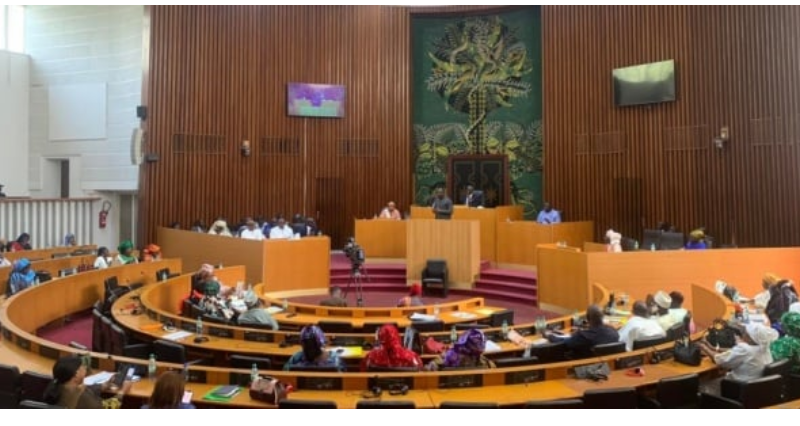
point(736, 67)
point(218, 74)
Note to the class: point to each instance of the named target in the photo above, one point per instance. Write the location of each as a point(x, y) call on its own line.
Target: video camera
point(355, 253)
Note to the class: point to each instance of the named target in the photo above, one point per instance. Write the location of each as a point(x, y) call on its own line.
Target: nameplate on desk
point(220, 332)
point(628, 362)
point(461, 381)
point(524, 377)
point(391, 382)
point(6, 334)
point(256, 336)
point(49, 352)
point(319, 383)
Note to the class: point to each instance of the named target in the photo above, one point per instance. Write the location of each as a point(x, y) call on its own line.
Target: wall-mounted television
point(315, 100)
point(645, 84)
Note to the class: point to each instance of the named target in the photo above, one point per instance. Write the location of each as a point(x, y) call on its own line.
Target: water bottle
point(527, 353)
point(199, 326)
point(151, 367)
point(186, 372)
point(285, 305)
point(436, 310)
point(254, 373)
point(653, 247)
point(635, 245)
point(504, 327)
point(576, 319)
point(453, 335)
point(745, 315)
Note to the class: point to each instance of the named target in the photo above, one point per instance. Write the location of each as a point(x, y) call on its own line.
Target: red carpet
point(79, 329)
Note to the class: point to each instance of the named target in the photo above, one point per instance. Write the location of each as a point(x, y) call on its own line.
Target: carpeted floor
point(78, 329)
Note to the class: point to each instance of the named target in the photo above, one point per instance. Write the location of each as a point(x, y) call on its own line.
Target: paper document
point(491, 347)
point(97, 379)
point(416, 316)
point(464, 315)
point(538, 342)
point(272, 310)
point(178, 335)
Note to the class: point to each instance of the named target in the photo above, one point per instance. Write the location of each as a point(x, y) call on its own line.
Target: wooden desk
point(280, 264)
point(517, 242)
point(45, 254)
point(456, 241)
point(382, 238)
point(488, 219)
point(53, 266)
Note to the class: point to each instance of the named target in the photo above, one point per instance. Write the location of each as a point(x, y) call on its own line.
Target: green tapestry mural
point(477, 90)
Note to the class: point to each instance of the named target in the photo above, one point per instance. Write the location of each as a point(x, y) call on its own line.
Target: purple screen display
point(315, 100)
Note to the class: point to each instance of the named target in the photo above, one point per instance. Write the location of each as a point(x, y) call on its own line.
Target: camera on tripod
point(355, 254)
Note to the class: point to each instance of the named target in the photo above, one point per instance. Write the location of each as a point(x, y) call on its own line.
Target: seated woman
point(220, 227)
point(151, 253)
point(104, 259)
point(69, 240)
point(391, 352)
point(697, 240)
point(761, 300)
point(788, 346)
point(168, 393)
point(22, 243)
point(67, 389)
point(313, 354)
point(125, 255)
point(782, 296)
point(255, 314)
point(22, 276)
point(467, 352)
point(747, 359)
point(413, 297)
point(208, 293)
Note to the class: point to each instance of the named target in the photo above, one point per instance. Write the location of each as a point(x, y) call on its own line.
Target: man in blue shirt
point(548, 215)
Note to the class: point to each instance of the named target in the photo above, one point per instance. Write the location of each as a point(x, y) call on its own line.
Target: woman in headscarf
point(782, 295)
point(151, 253)
point(22, 243)
point(467, 352)
point(69, 240)
point(747, 359)
point(125, 255)
point(313, 354)
point(761, 300)
point(788, 346)
point(104, 259)
point(413, 297)
point(22, 276)
point(697, 240)
point(391, 352)
point(67, 389)
point(208, 293)
point(220, 227)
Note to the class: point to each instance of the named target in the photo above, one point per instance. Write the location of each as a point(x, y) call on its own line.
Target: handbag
point(593, 372)
point(687, 352)
point(721, 334)
point(269, 390)
point(433, 347)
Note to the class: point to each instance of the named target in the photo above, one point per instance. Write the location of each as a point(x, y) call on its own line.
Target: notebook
point(226, 391)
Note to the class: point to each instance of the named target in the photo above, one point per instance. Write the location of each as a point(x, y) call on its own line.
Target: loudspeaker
point(141, 112)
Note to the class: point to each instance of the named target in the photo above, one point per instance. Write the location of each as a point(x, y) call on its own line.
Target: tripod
point(357, 275)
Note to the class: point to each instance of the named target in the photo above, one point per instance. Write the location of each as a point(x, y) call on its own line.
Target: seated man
point(251, 231)
point(473, 198)
point(299, 225)
point(663, 303)
point(548, 215)
point(582, 341)
point(220, 227)
point(312, 229)
point(390, 212)
point(255, 313)
point(640, 326)
point(281, 231)
point(336, 300)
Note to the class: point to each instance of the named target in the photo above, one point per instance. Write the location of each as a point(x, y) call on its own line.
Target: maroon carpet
point(78, 329)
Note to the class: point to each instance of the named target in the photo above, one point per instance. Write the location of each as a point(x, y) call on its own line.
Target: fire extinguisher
point(104, 214)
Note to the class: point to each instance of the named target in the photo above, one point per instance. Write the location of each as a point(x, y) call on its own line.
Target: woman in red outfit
point(391, 352)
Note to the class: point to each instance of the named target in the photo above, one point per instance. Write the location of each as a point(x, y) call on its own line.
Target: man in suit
point(473, 198)
point(442, 205)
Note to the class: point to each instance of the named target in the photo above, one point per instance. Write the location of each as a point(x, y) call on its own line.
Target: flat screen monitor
point(671, 241)
point(645, 84)
point(315, 100)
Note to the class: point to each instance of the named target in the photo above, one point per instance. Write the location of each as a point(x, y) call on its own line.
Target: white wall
point(14, 118)
point(84, 46)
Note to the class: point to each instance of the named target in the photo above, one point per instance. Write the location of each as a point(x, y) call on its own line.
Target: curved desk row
point(48, 253)
point(52, 266)
point(508, 385)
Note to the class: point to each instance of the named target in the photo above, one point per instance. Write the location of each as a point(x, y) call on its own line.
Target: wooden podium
point(517, 241)
point(488, 219)
point(456, 241)
point(382, 238)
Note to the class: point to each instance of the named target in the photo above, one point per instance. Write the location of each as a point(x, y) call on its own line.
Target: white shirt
point(102, 262)
point(255, 234)
point(745, 361)
point(761, 300)
point(638, 328)
point(278, 233)
point(667, 320)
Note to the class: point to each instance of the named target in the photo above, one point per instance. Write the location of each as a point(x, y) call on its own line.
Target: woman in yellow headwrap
point(697, 240)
